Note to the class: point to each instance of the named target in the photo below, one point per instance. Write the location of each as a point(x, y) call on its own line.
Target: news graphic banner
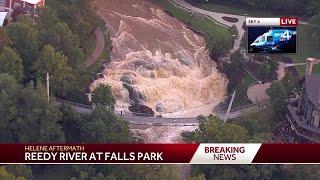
point(159, 153)
point(272, 35)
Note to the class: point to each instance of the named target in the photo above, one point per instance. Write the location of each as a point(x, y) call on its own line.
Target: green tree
point(4, 174)
point(214, 130)
point(20, 171)
point(259, 125)
point(62, 39)
point(233, 69)
point(27, 117)
point(277, 96)
point(25, 40)
point(102, 126)
point(290, 83)
point(199, 177)
point(102, 95)
point(71, 124)
point(314, 29)
point(47, 18)
point(24, 19)
point(11, 63)
point(264, 70)
point(4, 39)
point(273, 63)
point(312, 7)
point(141, 172)
point(55, 64)
point(80, 16)
point(218, 42)
point(305, 172)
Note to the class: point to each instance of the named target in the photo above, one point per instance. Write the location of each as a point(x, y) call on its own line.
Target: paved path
point(257, 93)
point(282, 68)
point(218, 17)
point(100, 45)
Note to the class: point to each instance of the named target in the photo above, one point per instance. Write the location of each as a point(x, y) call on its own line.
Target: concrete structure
point(29, 6)
point(141, 119)
point(304, 112)
point(3, 17)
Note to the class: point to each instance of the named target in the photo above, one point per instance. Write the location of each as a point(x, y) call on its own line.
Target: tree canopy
point(214, 130)
point(25, 40)
point(102, 126)
point(55, 64)
point(11, 63)
point(278, 96)
point(102, 95)
point(26, 114)
point(4, 39)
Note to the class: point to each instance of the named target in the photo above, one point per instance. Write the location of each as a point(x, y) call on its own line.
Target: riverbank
point(96, 66)
point(219, 38)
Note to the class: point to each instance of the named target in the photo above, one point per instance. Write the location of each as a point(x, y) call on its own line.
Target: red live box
point(287, 21)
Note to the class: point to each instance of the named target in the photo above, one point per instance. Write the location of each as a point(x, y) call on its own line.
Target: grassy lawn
point(89, 47)
point(235, 8)
point(307, 47)
point(202, 25)
point(95, 67)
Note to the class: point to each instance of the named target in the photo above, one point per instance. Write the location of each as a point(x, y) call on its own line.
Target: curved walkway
point(218, 17)
point(100, 45)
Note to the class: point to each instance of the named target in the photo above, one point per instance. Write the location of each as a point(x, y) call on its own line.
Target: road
point(218, 17)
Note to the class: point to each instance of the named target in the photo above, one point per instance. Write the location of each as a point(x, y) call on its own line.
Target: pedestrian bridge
point(144, 119)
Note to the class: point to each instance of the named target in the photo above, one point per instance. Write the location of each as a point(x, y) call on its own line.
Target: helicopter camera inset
point(272, 35)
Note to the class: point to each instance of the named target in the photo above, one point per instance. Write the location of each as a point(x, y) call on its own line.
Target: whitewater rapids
point(166, 64)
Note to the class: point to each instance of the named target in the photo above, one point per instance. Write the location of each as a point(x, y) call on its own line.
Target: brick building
point(304, 114)
point(29, 6)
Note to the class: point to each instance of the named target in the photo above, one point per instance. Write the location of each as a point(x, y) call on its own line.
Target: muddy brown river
point(157, 61)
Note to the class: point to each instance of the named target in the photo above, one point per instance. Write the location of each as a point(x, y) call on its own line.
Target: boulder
point(141, 110)
point(159, 107)
point(126, 78)
point(134, 95)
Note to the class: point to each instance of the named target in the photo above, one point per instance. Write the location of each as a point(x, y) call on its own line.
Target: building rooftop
point(313, 88)
point(32, 1)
